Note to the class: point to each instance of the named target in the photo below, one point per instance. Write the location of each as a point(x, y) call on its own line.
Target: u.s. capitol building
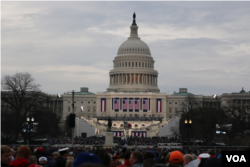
point(133, 97)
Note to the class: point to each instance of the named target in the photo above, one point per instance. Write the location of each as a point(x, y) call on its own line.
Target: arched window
point(114, 124)
point(136, 64)
point(142, 64)
point(129, 64)
point(132, 64)
point(136, 125)
point(142, 125)
point(126, 64)
point(122, 64)
point(145, 65)
point(139, 64)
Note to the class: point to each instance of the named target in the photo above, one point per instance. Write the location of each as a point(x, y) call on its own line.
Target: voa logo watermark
point(236, 158)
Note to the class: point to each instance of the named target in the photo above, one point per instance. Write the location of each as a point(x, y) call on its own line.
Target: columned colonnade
point(147, 79)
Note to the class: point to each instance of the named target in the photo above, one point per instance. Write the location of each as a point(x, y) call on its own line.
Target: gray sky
point(203, 46)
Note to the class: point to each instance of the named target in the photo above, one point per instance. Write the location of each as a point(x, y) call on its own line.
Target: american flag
point(103, 104)
point(145, 104)
point(122, 134)
point(158, 105)
point(131, 104)
point(117, 104)
point(125, 104)
point(137, 104)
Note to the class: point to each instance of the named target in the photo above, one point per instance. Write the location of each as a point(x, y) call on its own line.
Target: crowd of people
point(50, 156)
point(148, 141)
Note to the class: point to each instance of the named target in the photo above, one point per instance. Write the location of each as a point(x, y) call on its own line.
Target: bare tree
point(239, 112)
point(21, 97)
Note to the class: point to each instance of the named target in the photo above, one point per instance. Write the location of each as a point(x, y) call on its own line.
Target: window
point(94, 102)
point(169, 102)
point(74, 101)
point(88, 101)
point(175, 102)
point(81, 101)
point(170, 117)
point(68, 101)
point(142, 125)
point(114, 124)
point(94, 109)
point(170, 110)
point(68, 109)
point(88, 109)
point(153, 115)
point(136, 125)
point(88, 116)
point(130, 115)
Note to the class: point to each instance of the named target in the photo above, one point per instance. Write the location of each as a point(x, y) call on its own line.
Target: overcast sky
point(202, 46)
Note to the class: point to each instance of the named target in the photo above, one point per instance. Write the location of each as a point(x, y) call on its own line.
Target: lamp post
point(216, 97)
point(55, 107)
point(188, 123)
point(30, 121)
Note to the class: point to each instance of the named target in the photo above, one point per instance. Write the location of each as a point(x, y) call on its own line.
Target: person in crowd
point(55, 155)
point(69, 162)
point(52, 162)
point(22, 158)
point(187, 158)
point(61, 160)
point(136, 159)
point(83, 158)
point(163, 156)
point(33, 159)
point(126, 160)
point(175, 159)
point(166, 160)
point(12, 154)
point(122, 159)
point(148, 155)
point(5, 155)
point(149, 162)
point(213, 162)
point(43, 161)
point(104, 156)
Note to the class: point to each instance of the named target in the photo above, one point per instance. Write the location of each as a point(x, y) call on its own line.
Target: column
point(138, 78)
point(118, 81)
point(134, 78)
point(146, 79)
point(126, 78)
point(112, 80)
point(130, 79)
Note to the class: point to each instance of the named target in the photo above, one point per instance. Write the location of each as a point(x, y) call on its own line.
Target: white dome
point(134, 46)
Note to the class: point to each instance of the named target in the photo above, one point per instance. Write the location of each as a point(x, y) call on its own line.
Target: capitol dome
point(133, 66)
point(135, 46)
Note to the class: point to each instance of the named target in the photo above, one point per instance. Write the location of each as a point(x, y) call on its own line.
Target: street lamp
point(215, 96)
point(188, 123)
point(30, 121)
